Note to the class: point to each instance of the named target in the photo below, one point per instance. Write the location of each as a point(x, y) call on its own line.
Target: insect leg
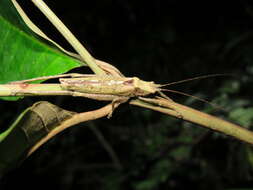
point(116, 102)
point(164, 96)
point(162, 102)
point(100, 97)
point(73, 75)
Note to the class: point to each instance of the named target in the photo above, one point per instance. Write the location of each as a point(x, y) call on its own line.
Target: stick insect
point(99, 87)
point(110, 88)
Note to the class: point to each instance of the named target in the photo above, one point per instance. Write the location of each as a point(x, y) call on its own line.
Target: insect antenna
point(195, 97)
point(195, 78)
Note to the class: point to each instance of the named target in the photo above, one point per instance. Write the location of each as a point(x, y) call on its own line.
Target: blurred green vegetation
point(162, 41)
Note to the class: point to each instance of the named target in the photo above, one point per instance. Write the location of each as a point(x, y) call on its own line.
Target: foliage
point(176, 41)
point(23, 56)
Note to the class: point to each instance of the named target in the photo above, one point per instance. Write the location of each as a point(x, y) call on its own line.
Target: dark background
point(162, 41)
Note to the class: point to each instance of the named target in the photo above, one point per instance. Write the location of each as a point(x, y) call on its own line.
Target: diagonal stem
point(67, 34)
point(189, 114)
point(77, 118)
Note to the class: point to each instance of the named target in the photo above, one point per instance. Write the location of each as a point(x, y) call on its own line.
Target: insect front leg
point(164, 96)
point(162, 103)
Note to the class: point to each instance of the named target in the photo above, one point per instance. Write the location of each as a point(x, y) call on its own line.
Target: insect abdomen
point(102, 85)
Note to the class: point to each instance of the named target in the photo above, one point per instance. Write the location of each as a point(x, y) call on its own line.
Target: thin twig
point(189, 114)
point(77, 118)
point(109, 69)
point(67, 34)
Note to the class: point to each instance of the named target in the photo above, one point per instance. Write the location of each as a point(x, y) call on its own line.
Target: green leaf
point(22, 54)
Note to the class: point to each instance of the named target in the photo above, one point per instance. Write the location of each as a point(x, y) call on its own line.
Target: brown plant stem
point(194, 116)
point(77, 118)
